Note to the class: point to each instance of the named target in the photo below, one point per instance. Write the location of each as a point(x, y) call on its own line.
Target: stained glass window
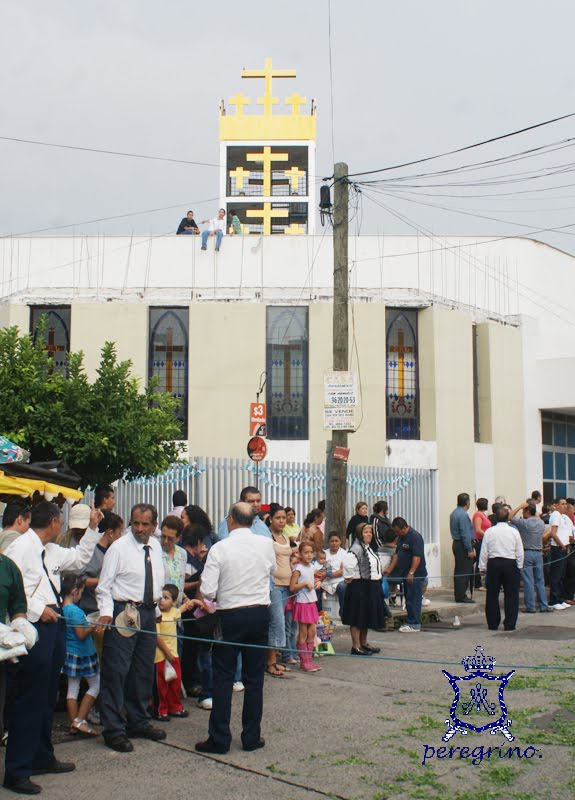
point(168, 356)
point(402, 400)
point(57, 336)
point(287, 372)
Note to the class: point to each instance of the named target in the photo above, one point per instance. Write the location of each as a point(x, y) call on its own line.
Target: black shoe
point(154, 734)
point(528, 611)
point(371, 649)
point(162, 717)
point(209, 746)
point(360, 652)
point(120, 743)
point(465, 600)
point(546, 610)
point(57, 768)
point(255, 746)
point(21, 786)
point(181, 714)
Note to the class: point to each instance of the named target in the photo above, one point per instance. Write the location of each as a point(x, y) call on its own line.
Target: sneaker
point(565, 605)
point(238, 686)
point(559, 606)
point(205, 704)
point(409, 629)
point(546, 609)
point(426, 601)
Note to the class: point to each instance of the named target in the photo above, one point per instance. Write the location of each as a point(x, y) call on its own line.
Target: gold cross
point(294, 174)
point(239, 101)
point(294, 229)
point(240, 174)
point(401, 350)
point(266, 213)
point(295, 101)
point(268, 101)
point(267, 157)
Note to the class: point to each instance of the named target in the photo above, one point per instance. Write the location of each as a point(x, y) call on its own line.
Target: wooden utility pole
point(336, 470)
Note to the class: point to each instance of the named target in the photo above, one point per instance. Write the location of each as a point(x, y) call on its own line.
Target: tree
point(105, 430)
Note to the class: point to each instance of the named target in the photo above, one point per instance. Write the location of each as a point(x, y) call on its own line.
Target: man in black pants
point(237, 575)
point(502, 559)
point(462, 534)
point(132, 576)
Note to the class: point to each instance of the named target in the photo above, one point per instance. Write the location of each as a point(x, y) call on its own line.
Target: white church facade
point(464, 347)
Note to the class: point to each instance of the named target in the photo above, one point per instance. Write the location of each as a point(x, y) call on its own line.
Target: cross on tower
point(401, 349)
point(294, 174)
point(169, 349)
point(239, 100)
point(240, 174)
point(268, 101)
point(295, 101)
point(267, 158)
point(266, 213)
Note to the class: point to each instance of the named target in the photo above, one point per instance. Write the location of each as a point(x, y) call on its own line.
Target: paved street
point(367, 722)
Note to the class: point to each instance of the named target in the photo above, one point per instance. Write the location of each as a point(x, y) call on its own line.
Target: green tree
point(105, 430)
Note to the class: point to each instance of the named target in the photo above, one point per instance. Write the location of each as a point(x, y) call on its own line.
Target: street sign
point(257, 449)
point(258, 419)
point(341, 453)
point(340, 400)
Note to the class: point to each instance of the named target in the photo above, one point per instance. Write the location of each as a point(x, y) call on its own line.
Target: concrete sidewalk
point(358, 728)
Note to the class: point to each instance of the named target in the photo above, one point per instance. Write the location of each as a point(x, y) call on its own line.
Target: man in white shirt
point(217, 228)
point(29, 750)
point(501, 559)
point(132, 573)
point(237, 576)
point(561, 536)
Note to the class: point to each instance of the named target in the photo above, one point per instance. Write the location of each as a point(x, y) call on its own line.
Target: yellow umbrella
point(25, 487)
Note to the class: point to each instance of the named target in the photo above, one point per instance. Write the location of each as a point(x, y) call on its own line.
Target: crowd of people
point(531, 544)
point(137, 617)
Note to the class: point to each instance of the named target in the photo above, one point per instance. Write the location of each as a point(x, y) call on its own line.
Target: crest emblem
point(478, 702)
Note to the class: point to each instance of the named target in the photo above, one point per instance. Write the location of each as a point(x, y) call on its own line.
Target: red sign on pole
point(257, 419)
point(341, 453)
point(257, 449)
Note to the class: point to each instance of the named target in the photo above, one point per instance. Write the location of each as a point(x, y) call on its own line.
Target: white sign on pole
point(340, 400)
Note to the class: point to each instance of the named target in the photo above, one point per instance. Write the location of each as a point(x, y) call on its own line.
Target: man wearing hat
point(128, 592)
point(78, 521)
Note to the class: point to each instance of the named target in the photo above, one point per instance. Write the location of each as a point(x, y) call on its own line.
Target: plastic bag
point(169, 672)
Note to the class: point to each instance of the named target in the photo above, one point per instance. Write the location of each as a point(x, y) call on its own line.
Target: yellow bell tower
point(267, 159)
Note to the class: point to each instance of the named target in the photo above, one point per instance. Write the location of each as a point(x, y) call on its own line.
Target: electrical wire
point(463, 149)
point(107, 152)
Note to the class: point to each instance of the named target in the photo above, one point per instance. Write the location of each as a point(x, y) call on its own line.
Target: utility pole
point(336, 470)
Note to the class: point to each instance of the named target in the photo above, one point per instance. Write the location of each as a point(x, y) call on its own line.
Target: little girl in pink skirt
point(305, 611)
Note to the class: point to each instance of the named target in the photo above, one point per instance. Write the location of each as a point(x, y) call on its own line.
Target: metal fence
point(214, 483)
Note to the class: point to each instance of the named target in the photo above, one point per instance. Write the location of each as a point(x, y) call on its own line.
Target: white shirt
point(124, 573)
point(335, 561)
point(564, 527)
point(238, 570)
point(217, 224)
point(501, 541)
point(351, 566)
point(27, 551)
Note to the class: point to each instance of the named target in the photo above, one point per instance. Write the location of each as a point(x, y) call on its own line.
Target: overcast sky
point(410, 79)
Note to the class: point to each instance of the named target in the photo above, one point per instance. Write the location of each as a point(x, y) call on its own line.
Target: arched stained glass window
point(57, 336)
point(402, 396)
point(287, 372)
point(168, 356)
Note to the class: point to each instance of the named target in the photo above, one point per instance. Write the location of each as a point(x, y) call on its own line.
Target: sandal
point(282, 667)
point(82, 728)
point(273, 670)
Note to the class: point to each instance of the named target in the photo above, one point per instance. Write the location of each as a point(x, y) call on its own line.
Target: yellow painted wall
point(227, 356)
point(12, 314)
point(446, 380)
point(124, 323)
point(484, 382)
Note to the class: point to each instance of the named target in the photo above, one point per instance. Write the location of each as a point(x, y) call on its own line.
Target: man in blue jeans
point(409, 563)
point(217, 228)
point(531, 529)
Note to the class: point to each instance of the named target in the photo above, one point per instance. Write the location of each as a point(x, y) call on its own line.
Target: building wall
point(227, 356)
point(126, 324)
point(12, 314)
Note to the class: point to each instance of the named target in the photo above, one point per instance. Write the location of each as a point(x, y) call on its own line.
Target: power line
point(463, 149)
point(107, 152)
